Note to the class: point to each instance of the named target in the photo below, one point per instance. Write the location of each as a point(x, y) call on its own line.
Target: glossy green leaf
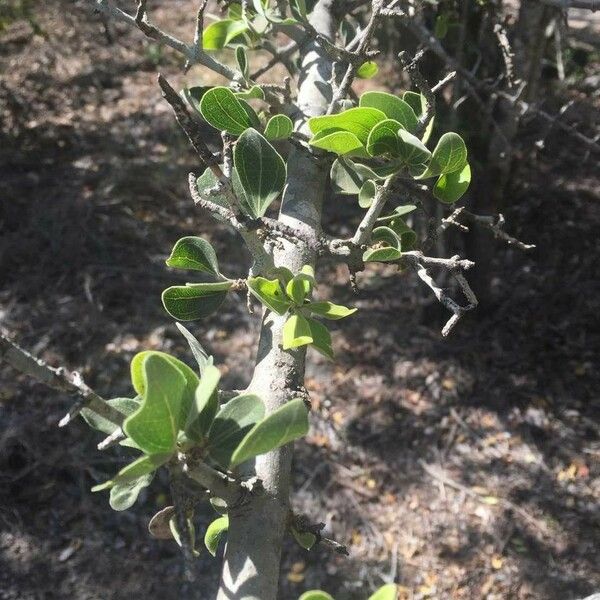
point(297, 289)
point(387, 592)
point(358, 121)
point(218, 34)
point(449, 156)
point(367, 194)
point(205, 405)
point(241, 57)
point(450, 187)
point(260, 169)
point(367, 70)
point(315, 595)
point(347, 177)
point(138, 468)
point(214, 533)
point(124, 495)
point(155, 425)
point(296, 332)
point(201, 356)
point(224, 111)
point(306, 539)
point(195, 300)
point(270, 293)
point(194, 253)
point(329, 310)
point(393, 107)
point(279, 127)
point(384, 139)
point(280, 427)
point(321, 338)
point(413, 153)
point(338, 142)
point(233, 421)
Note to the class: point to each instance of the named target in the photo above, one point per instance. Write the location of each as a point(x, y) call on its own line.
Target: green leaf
point(441, 26)
point(383, 139)
point(201, 356)
point(321, 338)
point(282, 426)
point(270, 293)
point(367, 70)
point(195, 300)
point(215, 532)
point(233, 421)
point(418, 103)
point(205, 405)
point(358, 121)
point(260, 169)
point(241, 57)
point(329, 310)
point(367, 194)
point(218, 34)
point(306, 539)
point(194, 253)
point(224, 111)
point(124, 495)
point(399, 211)
point(393, 107)
point(413, 153)
point(299, 7)
point(449, 156)
point(298, 288)
point(347, 177)
point(387, 592)
point(296, 332)
point(125, 405)
point(315, 595)
point(138, 468)
point(337, 141)
point(279, 127)
point(154, 426)
point(450, 187)
point(254, 93)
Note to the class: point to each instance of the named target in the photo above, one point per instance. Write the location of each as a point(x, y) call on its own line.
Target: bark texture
point(253, 553)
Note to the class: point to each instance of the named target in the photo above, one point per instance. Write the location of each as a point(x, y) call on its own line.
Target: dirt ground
point(461, 468)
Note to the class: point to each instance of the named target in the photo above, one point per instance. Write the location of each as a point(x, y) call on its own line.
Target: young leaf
point(450, 187)
point(337, 141)
point(413, 153)
point(321, 338)
point(329, 310)
point(279, 127)
point(260, 169)
point(195, 300)
point(449, 156)
point(218, 34)
point(315, 595)
point(215, 532)
point(154, 426)
point(367, 194)
point(269, 293)
point(298, 288)
point(347, 176)
point(194, 253)
point(387, 592)
point(306, 539)
point(224, 111)
point(367, 70)
point(296, 332)
point(138, 468)
point(241, 57)
point(124, 495)
point(233, 421)
point(393, 108)
point(285, 424)
point(358, 121)
point(205, 405)
point(383, 138)
point(201, 356)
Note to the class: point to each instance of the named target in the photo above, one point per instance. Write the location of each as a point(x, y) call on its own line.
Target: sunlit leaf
point(201, 356)
point(205, 405)
point(296, 332)
point(195, 300)
point(384, 139)
point(449, 156)
point(279, 127)
point(270, 293)
point(214, 533)
point(358, 121)
point(194, 253)
point(224, 111)
point(329, 310)
point(218, 34)
point(367, 70)
point(393, 107)
point(450, 187)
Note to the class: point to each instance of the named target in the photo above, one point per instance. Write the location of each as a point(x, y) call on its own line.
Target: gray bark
point(253, 553)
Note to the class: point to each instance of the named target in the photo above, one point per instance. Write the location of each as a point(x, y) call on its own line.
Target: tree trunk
point(253, 553)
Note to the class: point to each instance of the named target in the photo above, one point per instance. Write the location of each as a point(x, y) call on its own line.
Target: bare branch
point(366, 225)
